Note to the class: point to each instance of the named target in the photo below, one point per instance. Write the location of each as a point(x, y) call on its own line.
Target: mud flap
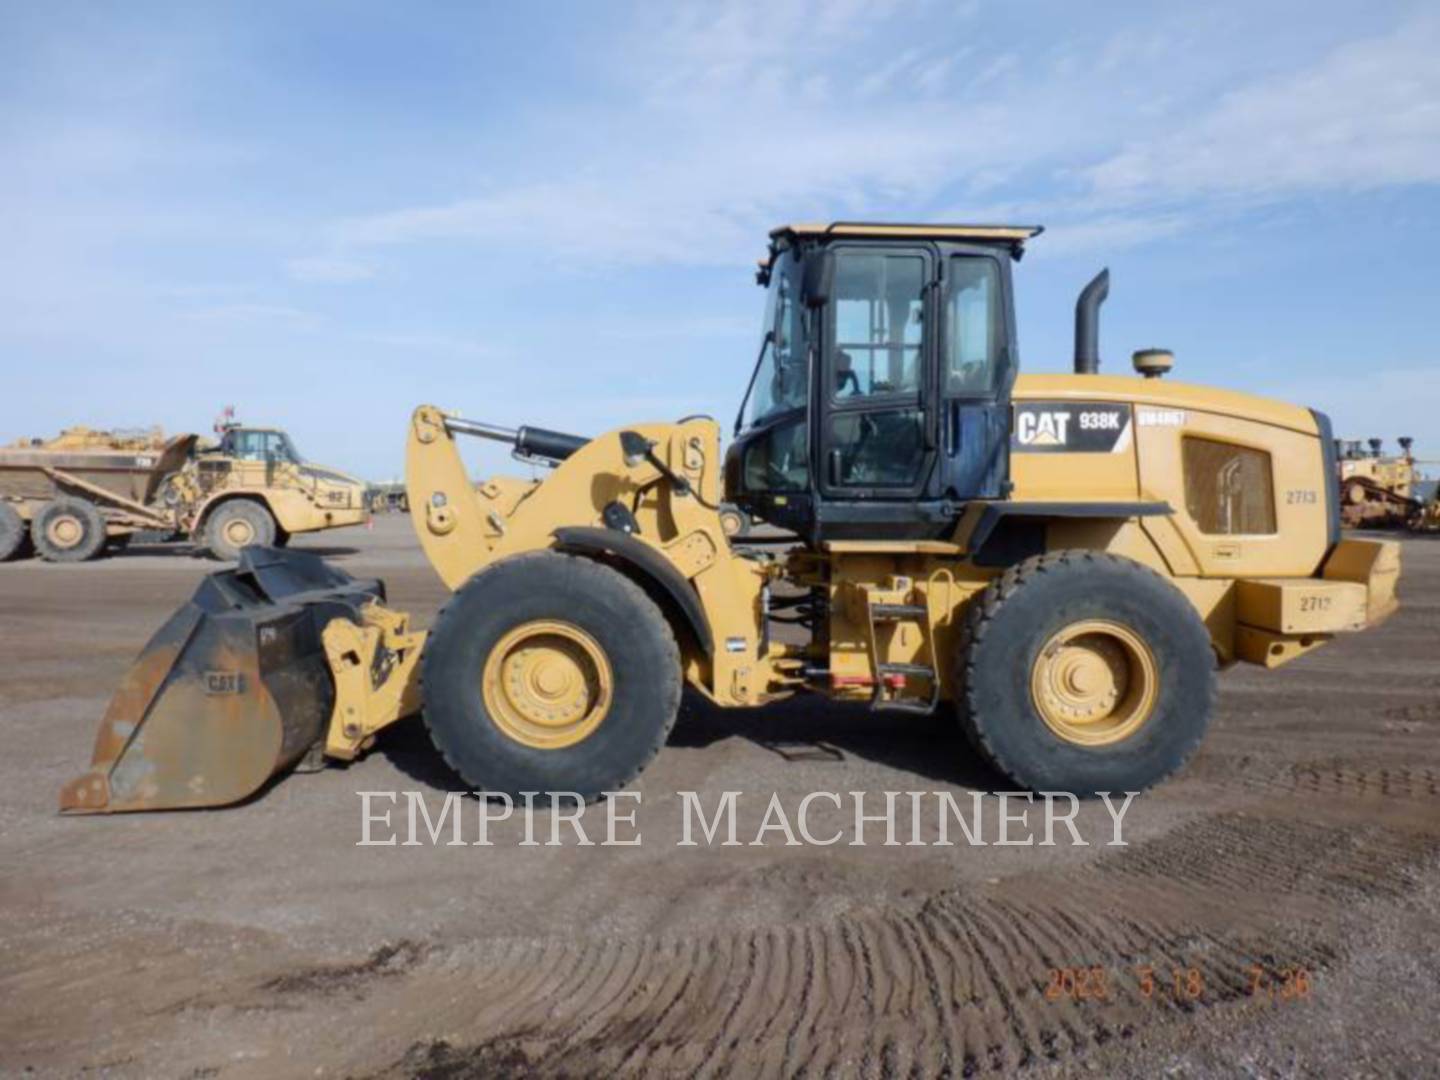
point(232, 690)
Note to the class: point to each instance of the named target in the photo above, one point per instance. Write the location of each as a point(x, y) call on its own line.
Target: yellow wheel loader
point(1064, 561)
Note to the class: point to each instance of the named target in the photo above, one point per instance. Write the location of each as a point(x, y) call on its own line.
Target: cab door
point(976, 362)
point(874, 437)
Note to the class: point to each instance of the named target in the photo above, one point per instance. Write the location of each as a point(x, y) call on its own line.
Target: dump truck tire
point(68, 530)
point(1084, 672)
point(14, 536)
point(550, 673)
point(734, 522)
point(236, 525)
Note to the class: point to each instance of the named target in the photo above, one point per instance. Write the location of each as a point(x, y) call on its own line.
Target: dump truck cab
point(880, 398)
point(254, 487)
point(268, 445)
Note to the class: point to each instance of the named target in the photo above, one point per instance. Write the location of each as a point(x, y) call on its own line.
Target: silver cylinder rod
point(456, 426)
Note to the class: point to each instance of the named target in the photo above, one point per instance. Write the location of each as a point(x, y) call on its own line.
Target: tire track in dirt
point(961, 982)
point(1329, 778)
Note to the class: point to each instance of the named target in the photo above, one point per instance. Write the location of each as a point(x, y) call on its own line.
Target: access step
point(898, 612)
point(923, 671)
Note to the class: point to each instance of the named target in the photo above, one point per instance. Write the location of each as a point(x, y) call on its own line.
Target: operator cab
point(259, 444)
point(880, 400)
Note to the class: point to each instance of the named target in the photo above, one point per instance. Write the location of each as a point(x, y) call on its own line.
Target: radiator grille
point(1228, 488)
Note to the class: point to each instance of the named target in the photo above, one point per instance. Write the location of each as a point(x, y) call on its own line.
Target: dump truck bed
point(117, 481)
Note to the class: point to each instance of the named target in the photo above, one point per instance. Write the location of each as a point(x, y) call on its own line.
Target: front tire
point(236, 525)
point(1084, 672)
point(550, 673)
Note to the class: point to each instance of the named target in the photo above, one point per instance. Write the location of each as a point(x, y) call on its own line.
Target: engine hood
point(1165, 394)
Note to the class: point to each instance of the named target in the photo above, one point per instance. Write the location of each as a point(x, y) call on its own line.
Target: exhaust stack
point(1087, 323)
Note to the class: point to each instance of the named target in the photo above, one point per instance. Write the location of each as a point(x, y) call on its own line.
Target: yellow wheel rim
point(547, 684)
point(65, 532)
point(1095, 683)
point(239, 533)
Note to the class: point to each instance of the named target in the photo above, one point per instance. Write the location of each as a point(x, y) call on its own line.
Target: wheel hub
point(1094, 683)
point(239, 533)
point(547, 684)
point(65, 531)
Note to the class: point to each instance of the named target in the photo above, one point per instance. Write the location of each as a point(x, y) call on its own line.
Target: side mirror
point(819, 278)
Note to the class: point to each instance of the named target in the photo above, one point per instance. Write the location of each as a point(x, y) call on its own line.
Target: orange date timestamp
point(1096, 982)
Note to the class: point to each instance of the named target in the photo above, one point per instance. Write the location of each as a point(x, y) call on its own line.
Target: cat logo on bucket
point(222, 682)
point(1072, 428)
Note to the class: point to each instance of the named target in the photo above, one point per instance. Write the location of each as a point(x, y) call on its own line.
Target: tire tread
point(981, 614)
point(646, 611)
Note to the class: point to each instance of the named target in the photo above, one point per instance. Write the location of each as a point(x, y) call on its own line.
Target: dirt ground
point(262, 941)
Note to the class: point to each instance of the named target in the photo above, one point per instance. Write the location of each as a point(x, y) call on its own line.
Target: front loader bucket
point(232, 690)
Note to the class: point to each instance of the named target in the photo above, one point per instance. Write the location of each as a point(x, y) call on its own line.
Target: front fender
point(643, 560)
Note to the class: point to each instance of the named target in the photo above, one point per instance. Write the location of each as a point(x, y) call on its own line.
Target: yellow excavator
point(1061, 560)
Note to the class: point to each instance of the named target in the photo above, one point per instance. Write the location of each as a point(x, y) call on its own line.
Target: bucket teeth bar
point(232, 690)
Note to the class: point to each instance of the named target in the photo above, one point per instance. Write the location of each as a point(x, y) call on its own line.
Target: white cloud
point(1384, 402)
point(1111, 233)
point(756, 113)
point(996, 69)
point(322, 269)
point(253, 313)
point(883, 78)
point(429, 343)
point(1365, 116)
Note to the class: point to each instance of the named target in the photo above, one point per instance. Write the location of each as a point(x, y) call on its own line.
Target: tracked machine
point(1379, 491)
point(1063, 561)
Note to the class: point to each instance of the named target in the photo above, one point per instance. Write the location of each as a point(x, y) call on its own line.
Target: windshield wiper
point(765, 343)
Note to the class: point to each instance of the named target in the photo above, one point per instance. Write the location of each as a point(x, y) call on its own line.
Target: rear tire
point(1084, 672)
point(68, 530)
point(550, 673)
point(14, 536)
point(236, 525)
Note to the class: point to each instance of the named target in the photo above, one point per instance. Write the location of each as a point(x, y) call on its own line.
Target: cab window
point(258, 446)
point(878, 312)
point(972, 327)
point(781, 379)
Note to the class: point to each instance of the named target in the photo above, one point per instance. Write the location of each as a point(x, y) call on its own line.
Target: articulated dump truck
point(68, 498)
point(1061, 561)
point(71, 498)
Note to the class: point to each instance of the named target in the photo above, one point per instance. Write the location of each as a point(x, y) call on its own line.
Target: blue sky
point(327, 213)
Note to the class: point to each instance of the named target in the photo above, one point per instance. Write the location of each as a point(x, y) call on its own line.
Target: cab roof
point(1012, 237)
point(886, 229)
